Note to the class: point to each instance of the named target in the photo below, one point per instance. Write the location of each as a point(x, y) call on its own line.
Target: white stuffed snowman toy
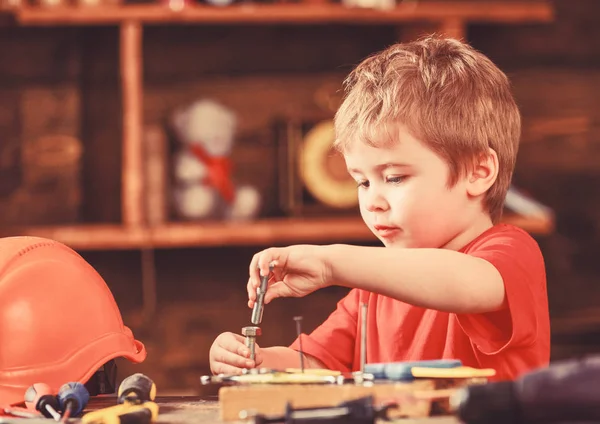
point(202, 167)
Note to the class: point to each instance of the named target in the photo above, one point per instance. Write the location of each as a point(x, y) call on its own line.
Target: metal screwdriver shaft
point(363, 337)
point(259, 305)
point(298, 333)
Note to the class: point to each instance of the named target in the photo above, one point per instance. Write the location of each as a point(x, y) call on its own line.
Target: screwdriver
point(39, 397)
point(135, 400)
point(259, 305)
point(72, 398)
point(136, 389)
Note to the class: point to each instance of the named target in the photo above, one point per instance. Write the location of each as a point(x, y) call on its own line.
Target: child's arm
point(281, 357)
point(439, 279)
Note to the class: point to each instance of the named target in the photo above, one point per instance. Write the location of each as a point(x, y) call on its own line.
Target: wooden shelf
point(448, 17)
point(275, 231)
point(462, 11)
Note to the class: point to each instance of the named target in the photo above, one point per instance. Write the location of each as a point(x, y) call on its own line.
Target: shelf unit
point(274, 231)
point(449, 17)
point(457, 12)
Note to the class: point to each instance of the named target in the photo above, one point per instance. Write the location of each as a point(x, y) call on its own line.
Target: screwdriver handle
point(137, 388)
point(39, 397)
point(74, 397)
point(401, 371)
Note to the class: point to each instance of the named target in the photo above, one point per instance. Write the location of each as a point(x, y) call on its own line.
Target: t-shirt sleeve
point(518, 259)
point(333, 342)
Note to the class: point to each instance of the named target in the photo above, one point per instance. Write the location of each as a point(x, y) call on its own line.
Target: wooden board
point(192, 409)
point(271, 399)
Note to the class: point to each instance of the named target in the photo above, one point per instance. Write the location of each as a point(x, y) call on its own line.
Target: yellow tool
point(144, 413)
point(456, 372)
point(135, 404)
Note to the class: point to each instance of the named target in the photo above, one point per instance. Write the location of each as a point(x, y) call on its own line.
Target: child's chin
point(393, 242)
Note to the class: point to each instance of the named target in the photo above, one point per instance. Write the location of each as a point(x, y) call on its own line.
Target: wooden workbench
point(187, 410)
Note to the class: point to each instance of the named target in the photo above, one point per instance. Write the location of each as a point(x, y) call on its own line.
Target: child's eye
point(363, 183)
point(395, 179)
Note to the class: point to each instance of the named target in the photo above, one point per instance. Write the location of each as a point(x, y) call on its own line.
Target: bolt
point(251, 333)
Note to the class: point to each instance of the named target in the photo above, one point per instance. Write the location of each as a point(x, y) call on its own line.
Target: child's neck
point(478, 226)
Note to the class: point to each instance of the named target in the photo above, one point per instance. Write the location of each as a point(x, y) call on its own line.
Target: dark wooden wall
point(264, 71)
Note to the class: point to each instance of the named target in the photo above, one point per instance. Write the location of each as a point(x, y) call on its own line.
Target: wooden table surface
point(187, 410)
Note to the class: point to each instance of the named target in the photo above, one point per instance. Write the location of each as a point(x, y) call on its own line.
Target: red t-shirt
point(511, 341)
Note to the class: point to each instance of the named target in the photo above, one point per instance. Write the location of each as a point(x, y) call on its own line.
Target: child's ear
point(483, 174)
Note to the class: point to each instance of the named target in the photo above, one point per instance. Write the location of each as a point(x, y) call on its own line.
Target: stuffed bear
point(204, 188)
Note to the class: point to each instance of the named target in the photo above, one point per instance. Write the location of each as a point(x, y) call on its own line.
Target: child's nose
point(375, 201)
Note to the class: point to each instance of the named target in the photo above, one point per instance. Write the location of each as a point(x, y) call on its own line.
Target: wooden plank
point(102, 131)
point(86, 237)
point(291, 14)
point(275, 231)
point(272, 231)
point(131, 83)
point(186, 409)
point(271, 399)
point(39, 55)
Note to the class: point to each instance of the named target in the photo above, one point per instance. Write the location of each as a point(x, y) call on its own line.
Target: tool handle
point(137, 388)
point(74, 397)
point(401, 371)
point(142, 416)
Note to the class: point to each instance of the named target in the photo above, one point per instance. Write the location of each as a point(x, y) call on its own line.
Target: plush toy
point(203, 174)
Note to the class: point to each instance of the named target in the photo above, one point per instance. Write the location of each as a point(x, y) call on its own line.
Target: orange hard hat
point(59, 321)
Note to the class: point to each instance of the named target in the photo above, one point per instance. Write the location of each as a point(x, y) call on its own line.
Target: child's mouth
point(386, 231)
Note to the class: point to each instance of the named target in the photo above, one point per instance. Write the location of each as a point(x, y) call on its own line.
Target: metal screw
point(251, 333)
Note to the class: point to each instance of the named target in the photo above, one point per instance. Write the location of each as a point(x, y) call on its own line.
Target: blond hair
point(448, 95)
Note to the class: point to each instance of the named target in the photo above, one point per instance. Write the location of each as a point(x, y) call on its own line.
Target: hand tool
point(402, 371)
point(251, 333)
point(135, 404)
point(288, 376)
point(363, 337)
point(72, 398)
point(564, 391)
point(298, 335)
point(275, 377)
point(39, 397)
point(259, 304)
point(357, 411)
point(135, 389)
point(127, 413)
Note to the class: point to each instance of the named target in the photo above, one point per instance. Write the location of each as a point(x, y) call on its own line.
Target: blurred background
point(169, 141)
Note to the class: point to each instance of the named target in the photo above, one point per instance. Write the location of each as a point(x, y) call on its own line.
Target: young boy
point(430, 132)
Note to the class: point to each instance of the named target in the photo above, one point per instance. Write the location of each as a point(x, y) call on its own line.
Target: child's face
point(404, 196)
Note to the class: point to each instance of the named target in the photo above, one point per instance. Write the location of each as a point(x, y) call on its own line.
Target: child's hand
point(229, 355)
point(298, 271)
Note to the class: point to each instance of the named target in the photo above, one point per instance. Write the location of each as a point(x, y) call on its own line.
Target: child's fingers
point(253, 272)
point(224, 356)
point(278, 289)
point(226, 369)
point(258, 357)
point(251, 293)
point(234, 343)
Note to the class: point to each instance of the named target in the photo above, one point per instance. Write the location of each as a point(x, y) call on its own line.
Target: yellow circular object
point(323, 170)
